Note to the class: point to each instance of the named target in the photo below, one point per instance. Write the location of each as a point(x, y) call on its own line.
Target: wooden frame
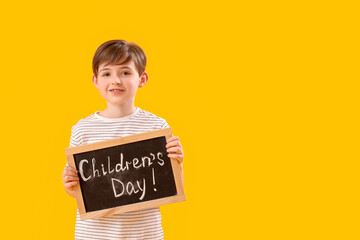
point(130, 207)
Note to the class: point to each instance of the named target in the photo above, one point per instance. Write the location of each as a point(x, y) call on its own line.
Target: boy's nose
point(117, 80)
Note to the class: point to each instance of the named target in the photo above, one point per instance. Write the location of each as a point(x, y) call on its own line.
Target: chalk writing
point(119, 187)
point(121, 166)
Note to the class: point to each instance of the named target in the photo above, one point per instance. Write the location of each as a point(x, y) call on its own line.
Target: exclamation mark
point(153, 178)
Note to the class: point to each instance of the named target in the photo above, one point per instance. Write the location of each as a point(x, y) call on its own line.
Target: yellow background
point(264, 96)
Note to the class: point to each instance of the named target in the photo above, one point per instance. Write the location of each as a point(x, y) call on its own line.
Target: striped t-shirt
point(143, 224)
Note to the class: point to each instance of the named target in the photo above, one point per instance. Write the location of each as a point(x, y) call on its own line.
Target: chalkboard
point(125, 174)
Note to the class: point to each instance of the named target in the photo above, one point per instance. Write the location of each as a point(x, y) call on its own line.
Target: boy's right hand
point(70, 180)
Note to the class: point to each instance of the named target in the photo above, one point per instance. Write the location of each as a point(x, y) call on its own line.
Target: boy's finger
point(178, 157)
point(71, 170)
point(174, 150)
point(173, 155)
point(173, 144)
point(72, 174)
point(71, 184)
point(70, 178)
point(173, 138)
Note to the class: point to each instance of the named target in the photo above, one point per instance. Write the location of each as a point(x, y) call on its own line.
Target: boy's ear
point(95, 81)
point(143, 80)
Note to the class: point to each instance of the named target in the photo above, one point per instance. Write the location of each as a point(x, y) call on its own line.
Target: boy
point(119, 70)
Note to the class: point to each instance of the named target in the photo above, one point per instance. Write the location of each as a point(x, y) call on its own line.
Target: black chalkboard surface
point(125, 174)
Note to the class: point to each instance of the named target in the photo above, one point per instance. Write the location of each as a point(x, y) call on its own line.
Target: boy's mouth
point(116, 90)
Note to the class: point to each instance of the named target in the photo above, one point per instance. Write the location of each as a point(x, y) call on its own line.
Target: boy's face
point(118, 83)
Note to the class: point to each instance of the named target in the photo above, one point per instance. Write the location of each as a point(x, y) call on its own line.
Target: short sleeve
point(75, 139)
point(165, 125)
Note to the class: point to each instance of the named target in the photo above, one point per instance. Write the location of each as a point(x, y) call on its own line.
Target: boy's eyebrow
point(126, 66)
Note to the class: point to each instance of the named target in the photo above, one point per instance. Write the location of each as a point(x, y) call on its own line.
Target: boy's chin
point(119, 103)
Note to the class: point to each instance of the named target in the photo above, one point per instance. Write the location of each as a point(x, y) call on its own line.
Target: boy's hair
point(119, 52)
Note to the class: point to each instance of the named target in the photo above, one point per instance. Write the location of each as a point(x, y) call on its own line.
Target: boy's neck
point(117, 111)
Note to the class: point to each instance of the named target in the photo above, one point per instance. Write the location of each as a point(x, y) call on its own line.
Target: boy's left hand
point(174, 149)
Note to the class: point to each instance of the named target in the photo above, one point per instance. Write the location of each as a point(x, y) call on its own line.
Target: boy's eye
point(108, 74)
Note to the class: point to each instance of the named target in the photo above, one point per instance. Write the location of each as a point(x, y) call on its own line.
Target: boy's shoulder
point(146, 114)
point(151, 119)
point(85, 120)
